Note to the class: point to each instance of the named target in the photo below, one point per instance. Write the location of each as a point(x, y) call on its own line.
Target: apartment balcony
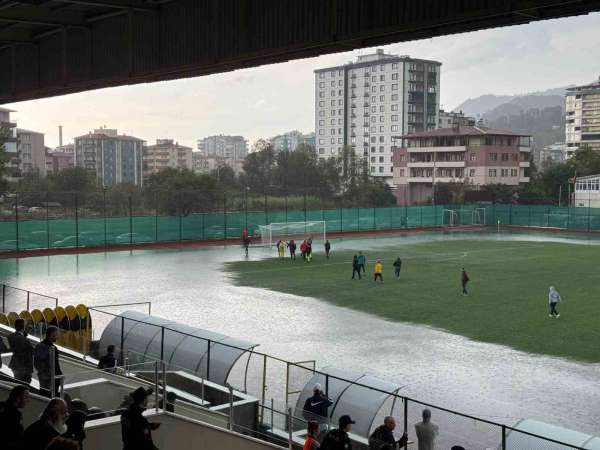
point(353, 96)
point(353, 105)
point(353, 86)
point(525, 149)
point(523, 179)
point(367, 85)
point(366, 104)
point(458, 148)
point(365, 134)
point(366, 125)
point(366, 95)
point(353, 125)
point(366, 114)
point(437, 164)
point(420, 180)
point(524, 164)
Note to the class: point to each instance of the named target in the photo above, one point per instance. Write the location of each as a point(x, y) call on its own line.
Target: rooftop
point(462, 131)
point(100, 135)
point(593, 85)
point(374, 58)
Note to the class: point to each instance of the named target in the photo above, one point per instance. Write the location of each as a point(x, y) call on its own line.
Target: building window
point(381, 149)
point(394, 87)
point(321, 123)
point(333, 132)
point(381, 129)
point(373, 108)
point(505, 156)
point(321, 113)
point(374, 129)
point(381, 138)
point(513, 172)
point(332, 121)
point(372, 168)
point(333, 84)
point(394, 97)
point(394, 118)
point(394, 65)
point(340, 112)
point(372, 149)
point(492, 172)
point(322, 84)
point(321, 150)
point(321, 94)
point(504, 172)
point(380, 169)
point(373, 139)
point(473, 157)
point(394, 76)
point(340, 141)
point(372, 159)
point(340, 102)
point(322, 75)
point(381, 77)
point(332, 102)
point(340, 92)
point(493, 156)
point(321, 132)
point(374, 78)
point(394, 127)
point(471, 173)
point(382, 88)
point(382, 108)
point(394, 107)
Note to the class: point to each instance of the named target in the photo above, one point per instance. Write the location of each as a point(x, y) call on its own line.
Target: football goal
point(456, 217)
point(274, 232)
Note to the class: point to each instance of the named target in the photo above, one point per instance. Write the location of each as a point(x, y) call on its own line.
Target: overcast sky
point(268, 100)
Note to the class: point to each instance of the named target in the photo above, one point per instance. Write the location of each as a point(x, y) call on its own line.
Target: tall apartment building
point(365, 103)
point(114, 158)
point(473, 155)
point(291, 140)
point(32, 151)
point(166, 153)
point(207, 164)
point(583, 116)
point(231, 148)
point(13, 171)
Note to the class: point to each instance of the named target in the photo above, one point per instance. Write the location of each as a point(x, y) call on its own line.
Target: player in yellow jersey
point(378, 271)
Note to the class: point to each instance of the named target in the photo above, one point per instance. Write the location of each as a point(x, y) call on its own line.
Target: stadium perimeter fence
point(278, 384)
point(66, 220)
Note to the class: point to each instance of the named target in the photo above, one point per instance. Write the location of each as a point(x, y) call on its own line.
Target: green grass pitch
point(508, 293)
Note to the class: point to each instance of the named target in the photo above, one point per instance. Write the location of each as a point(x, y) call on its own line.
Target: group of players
point(306, 248)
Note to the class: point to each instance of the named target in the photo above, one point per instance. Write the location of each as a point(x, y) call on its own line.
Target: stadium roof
point(54, 47)
point(462, 131)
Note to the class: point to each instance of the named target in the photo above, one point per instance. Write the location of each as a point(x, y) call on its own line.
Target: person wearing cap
point(338, 439)
point(426, 432)
point(316, 407)
point(136, 431)
point(384, 434)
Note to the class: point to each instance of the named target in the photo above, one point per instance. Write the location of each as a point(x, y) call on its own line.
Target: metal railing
point(273, 374)
point(27, 295)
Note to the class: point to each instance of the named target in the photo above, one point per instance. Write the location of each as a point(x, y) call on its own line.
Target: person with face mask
point(52, 423)
point(11, 418)
point(136, 431)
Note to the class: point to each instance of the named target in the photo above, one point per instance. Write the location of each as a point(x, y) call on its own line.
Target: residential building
point(553, 153)
point(231, 148)
point(166, 153)
point(207, 164)
point(13, 170)
point(583, 116)
point(473, 155)
point(291, 140)
point(114, 158)
point(448, 119)
point(31, 151)
point(587, 192)
point(59, 159)
point(363, 104)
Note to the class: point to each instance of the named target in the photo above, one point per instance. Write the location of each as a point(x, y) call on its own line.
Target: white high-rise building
point(583, 116)
point(364, 104)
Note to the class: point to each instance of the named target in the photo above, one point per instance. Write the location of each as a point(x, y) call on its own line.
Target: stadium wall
point(89, 232)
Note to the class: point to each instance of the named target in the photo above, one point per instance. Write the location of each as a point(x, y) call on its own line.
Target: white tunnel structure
point(362, 403)
point(183, 347)
point(515, 439)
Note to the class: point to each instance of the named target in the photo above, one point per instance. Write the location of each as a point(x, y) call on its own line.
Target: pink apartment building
point(474, 155)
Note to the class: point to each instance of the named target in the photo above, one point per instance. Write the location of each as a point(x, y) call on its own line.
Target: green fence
point(126, 220)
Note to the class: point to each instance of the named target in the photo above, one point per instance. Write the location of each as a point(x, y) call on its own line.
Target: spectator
point(384, 434)
point(61, 443)
point(136, 431)
point(43, 362)
point(78, 405)
point(11, 418)
point(50, 425)
point(316, 408)
point(426, 432)
point(338, 439)
point(21, 362)
point(75, 427)
point(108, 362)
point(311, 442)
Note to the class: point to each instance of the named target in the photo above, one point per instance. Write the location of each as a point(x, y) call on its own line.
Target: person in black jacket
point(11, 418)
point(327, 248)
point(136, 431)
point(75, 427)
point(52, 423)
point(316, 408)
point(108, 362)
point(384, 435)
point(21, 362)
point(43, 358)
point(338, 439)
point(355, 267)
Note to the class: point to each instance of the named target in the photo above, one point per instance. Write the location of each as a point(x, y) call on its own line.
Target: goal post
point(478, 216)
point(464, 217)
point(450, 217)
point(272, 233)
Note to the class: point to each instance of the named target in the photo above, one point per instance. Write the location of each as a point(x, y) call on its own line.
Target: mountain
point(480, 106)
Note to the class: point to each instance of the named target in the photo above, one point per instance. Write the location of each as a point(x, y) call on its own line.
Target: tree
point(258, 169)
point(75, 179)
point(5, 134)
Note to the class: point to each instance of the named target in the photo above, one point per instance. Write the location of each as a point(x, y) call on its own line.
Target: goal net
point(274, 232)
point(456, 217)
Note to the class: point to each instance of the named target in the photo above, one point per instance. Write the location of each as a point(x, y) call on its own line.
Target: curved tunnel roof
point(360, 402)
point(514, 439)
point(185, 347)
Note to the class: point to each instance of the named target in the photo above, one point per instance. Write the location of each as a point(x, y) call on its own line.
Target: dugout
point(515, 439)
point(353, 397)
point(147, 338)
